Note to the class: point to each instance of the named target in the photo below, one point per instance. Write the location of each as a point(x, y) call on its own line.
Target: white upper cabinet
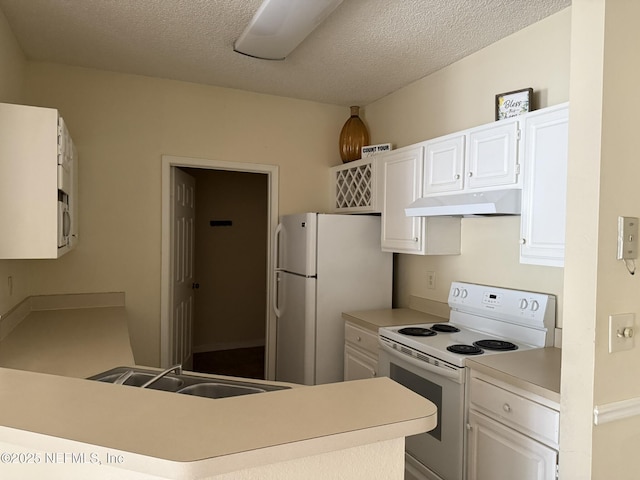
point(401, 172)
point(545, 153)
point(444, 164)
point(38, 183)
point(481, 158)
point(356, 187)
point(493, 156)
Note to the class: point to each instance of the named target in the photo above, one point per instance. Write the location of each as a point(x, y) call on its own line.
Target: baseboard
point(214, 347)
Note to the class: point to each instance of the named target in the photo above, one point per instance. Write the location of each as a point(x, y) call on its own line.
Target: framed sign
point(512, 104)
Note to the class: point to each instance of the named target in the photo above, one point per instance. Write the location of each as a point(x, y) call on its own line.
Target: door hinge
point(517, 169)
point(557, 471)
point(518, 134)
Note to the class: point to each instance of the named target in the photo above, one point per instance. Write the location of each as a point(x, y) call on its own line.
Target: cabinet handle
point(457, 176)
point(358, 339)
point(415, 239)
point(470, 174)
point(506, 407)
point(523, 241)
point(469, 427)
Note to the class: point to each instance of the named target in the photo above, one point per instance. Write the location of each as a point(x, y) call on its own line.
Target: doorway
point(230, 258)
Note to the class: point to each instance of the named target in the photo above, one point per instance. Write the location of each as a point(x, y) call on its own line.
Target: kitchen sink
point(187, 384)
point(168, 383)
point(219, 390)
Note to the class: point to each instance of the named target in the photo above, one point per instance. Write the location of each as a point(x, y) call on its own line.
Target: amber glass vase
point(353, 137)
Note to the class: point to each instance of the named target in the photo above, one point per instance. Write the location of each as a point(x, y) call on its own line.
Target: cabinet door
point(402, 174)
point(444, 164)
point(492, 160)
point(544, 190)
point(496, 452)
point(357, 365)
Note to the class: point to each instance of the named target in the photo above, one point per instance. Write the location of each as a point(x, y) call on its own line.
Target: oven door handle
point(456, 375)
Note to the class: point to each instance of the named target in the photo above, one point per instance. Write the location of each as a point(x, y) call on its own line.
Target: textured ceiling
point(365, 50)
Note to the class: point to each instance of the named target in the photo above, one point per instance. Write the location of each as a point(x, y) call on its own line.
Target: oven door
point(438, 454)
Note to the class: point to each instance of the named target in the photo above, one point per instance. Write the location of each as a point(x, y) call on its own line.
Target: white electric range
point(430, 360)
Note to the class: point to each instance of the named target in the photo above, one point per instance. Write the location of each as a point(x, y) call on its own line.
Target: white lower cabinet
point(511, 433)
point(497, 452)
point(360, 353)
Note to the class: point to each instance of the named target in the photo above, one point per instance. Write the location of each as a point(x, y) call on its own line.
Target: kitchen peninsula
point(59, 425)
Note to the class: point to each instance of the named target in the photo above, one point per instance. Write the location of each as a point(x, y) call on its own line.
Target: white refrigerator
point(325, 264)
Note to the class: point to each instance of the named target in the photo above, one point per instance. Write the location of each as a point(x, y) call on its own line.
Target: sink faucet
point(176, 368)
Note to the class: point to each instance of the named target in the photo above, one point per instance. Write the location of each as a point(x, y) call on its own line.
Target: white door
point(182, 238)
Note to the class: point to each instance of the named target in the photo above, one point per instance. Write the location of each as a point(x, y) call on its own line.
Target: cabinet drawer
point(532, 418)
point(362, 338)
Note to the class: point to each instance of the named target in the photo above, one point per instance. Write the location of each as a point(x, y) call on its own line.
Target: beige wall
point(603, 173)
point(231, 261)
point(122, 124)
point(461, 96)
point(12, 71)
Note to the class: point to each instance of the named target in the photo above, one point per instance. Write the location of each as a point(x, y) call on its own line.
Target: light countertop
point(536, 371)
point(176, 435)
point(72, 335)
point(374, 319)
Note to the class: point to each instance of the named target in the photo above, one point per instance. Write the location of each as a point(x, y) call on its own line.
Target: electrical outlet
point(431, 280)
point(627, 238)
point(621, 329)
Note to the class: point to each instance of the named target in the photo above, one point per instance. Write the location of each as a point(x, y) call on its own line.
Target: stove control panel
point(491, 298)
point(530, 309)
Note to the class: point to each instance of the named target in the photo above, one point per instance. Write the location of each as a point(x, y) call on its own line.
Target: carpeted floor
point(240, 362)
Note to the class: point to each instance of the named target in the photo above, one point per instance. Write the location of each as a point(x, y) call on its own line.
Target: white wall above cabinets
point(544, 152)
point(38, 183)
point(401, 172)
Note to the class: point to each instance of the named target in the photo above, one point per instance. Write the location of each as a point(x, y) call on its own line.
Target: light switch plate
point(621, 332)
point(627, 238)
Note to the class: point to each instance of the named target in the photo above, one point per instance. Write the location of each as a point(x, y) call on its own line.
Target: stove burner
point(417, 331)
point(465, 349)
point(443, 327)
point(495, 345)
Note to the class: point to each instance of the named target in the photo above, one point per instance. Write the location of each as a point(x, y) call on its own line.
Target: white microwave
point(64, 221)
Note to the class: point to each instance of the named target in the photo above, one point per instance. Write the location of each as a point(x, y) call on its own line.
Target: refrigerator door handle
point(276, 288)
point(276, 246)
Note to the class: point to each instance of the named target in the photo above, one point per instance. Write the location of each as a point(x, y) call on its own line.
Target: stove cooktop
point(481, 319)
point(438, 344)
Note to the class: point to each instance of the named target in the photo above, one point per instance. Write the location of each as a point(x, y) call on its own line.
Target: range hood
point(493, 202)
